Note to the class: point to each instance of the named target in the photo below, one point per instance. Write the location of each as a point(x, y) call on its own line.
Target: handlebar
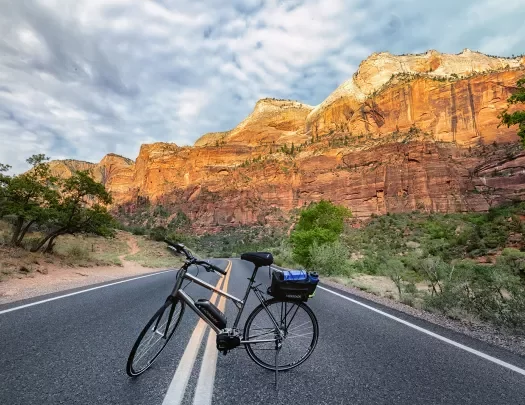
point(212, 267)
point(180, 248)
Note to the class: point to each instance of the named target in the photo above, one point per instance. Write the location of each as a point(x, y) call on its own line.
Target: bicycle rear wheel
point(154, 337)
point(295, 339)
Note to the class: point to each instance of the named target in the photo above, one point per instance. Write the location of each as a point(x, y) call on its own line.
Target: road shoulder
point(63, 279)
point(483, 332)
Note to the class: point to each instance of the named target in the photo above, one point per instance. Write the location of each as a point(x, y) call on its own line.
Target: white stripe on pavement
point(5, 311)
point(435, 335)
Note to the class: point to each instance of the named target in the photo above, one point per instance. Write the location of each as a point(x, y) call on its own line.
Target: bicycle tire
point(268, 304)
point(170, 305)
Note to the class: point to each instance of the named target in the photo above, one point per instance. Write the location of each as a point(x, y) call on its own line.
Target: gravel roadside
point(60, 279)
point(481, 331)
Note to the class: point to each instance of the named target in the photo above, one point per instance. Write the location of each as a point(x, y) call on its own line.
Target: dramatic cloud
point(84, 78)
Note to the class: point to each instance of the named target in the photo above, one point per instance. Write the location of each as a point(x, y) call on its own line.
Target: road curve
point(73, 350)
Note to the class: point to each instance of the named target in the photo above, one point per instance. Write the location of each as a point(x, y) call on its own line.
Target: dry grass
point(382, 286)
point(81, 251)
point(377, 285)
point(86, 250)
point(153, 254)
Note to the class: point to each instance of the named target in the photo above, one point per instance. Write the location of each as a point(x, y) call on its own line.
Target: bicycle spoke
point(303, 325)
point(295, 338)
point(293, 316)
point(310, 334)
point(269, 332)
point(154, 338)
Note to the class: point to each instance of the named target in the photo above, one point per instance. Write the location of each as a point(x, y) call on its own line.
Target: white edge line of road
point(5, 311)
point(435, 335)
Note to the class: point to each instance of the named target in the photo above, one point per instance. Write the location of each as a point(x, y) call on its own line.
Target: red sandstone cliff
point(404, 133)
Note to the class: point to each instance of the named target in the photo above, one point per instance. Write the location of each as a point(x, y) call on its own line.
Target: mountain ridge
point(286, 153)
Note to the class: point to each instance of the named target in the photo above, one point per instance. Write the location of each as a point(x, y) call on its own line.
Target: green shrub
point(180, 222)
point(368, 265)
point(158, 233)
point(137, 230)
point(319, 223)
point(488, 292)
point(77, 253)
point(396, 271)
point(411, 288)
point(513, 261)
point(283, 255)
point(160, 211)
point(407, 300)
point(330, 259)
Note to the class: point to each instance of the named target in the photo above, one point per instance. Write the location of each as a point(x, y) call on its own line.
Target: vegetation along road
point(71, 348)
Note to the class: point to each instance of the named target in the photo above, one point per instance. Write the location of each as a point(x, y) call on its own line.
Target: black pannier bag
point(293, 284)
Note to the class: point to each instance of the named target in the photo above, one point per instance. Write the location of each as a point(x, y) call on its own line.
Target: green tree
point(27, 198)
point(80, 209)
point(4, 183)
point(517, 117)
point(319, 223)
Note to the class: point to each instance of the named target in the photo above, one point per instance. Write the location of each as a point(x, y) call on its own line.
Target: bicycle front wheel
point(288, 327)
point(154, 337)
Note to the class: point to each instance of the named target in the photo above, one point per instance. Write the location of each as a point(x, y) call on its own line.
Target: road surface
point(72, 349)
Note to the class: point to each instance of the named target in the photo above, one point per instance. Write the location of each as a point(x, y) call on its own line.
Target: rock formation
point(404, 133)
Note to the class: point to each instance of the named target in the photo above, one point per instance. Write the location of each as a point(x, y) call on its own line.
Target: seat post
point(239, 313)
point(252, 278)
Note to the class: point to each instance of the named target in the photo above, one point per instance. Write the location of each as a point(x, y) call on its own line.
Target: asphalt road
point(73, 350)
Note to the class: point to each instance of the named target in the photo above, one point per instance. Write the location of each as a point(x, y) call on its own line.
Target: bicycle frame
point(179, 293)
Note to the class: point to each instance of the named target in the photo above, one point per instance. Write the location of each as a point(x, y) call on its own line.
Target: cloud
point(81, 79)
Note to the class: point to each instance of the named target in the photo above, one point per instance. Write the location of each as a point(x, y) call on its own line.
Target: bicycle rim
point(154, 337)
point(299, 329)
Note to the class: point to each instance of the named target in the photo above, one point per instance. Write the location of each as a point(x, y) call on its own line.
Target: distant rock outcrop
point(272, 121)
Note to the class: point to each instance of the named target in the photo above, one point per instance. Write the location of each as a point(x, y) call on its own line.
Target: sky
point(83, 78)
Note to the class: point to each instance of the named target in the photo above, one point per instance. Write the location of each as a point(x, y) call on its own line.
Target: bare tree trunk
point(50, 245)
point(23, 232)
point(16, 230)
point(43, 241)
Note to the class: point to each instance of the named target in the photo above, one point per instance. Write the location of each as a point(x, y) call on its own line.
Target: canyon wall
point(404, 133)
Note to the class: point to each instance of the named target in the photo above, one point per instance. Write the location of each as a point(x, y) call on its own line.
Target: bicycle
point(258, 338)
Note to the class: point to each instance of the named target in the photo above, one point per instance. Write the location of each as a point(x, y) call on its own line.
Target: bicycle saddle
point(258, 258)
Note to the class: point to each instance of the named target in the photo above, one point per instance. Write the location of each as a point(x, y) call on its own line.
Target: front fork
point(173, 299)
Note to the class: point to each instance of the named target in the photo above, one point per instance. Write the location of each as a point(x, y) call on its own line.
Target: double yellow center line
point(205, 383)
point(177, 388)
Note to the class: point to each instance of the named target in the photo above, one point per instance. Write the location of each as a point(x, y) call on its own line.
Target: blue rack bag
point(293, 284)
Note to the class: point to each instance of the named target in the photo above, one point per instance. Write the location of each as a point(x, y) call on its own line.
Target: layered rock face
point(272, 121)
point(456, 98)
point(116, 172)
point(404, 133)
